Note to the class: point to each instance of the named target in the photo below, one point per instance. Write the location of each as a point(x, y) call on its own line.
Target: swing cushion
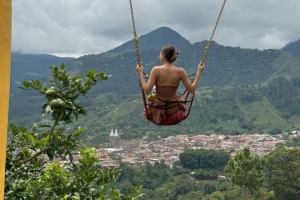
point(169, 120)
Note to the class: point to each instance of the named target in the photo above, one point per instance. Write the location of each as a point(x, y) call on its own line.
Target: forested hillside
point(200, 172)
point(230, 110)
point(224, 65)
point(31, 66)
point(241, 90)
point(293, 48)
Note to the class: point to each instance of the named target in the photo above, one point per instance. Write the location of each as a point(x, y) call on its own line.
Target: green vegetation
point(40, 162)
point(230, 110)
point(224, 65)
point(204, 159)
point(273, 177)
point(293, 48)
point(293, 142)
point(242, 91)
point(246, 171)
point(31, 66)
point(282, 172)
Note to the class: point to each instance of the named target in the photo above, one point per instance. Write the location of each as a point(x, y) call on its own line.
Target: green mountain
point(224, 65)
point(241, 90)
point(31, 66)
point(293, 48)
point(162, 36)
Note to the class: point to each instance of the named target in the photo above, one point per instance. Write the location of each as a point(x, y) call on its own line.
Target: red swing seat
point(173, 119)
point(169, 120)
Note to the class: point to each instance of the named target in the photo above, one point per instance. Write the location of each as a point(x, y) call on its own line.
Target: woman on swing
point(166, 79)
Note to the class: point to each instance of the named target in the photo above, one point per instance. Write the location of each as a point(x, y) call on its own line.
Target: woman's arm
point(191, 87)
point(147, 87)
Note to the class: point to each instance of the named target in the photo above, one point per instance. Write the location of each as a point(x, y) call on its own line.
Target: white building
point(114, 138)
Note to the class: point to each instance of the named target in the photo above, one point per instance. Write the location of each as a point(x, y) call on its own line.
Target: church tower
point(114, 138)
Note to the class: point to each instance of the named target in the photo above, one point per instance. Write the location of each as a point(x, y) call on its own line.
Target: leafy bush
point(40, 162)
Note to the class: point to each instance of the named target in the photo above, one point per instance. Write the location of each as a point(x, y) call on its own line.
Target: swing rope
point(136, 38)
point(213, 33)
point(139, 58)
point(211, 37)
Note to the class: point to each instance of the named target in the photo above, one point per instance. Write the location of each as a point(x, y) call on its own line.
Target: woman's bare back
point(168, 75)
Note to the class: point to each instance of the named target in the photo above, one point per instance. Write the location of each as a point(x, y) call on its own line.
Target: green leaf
point(44, 141)
point(32, 138)
point(82, 111)
point(100, 181)
point(91, 74)
point(62, 66)
point(76, 116)
point(55, 68)
point(50, 153)
point(32, 180)
point(77, 196)
point(25, 85)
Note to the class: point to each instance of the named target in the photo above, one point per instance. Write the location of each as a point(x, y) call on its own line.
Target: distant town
point(139, 151)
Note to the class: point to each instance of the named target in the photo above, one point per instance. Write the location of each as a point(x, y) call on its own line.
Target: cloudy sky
point(80, 27)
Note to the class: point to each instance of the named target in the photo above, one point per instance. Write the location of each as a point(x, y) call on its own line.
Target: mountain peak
point(293, 48)
point(155, 39)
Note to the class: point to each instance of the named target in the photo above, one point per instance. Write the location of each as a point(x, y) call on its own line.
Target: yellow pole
point(5, 56)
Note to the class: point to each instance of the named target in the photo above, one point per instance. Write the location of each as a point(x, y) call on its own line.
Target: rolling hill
point(293, 48)
point(234, 95)
point(224, 65)
point(31, 66)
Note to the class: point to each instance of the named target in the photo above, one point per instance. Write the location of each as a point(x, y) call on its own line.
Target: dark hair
point(170, 53)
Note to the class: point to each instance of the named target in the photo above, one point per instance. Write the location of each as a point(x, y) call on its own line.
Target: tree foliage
point(246, 170)
point(204, 159)
point(283, 172)
point(40, 163)
point(284, 94)
point(224, 110)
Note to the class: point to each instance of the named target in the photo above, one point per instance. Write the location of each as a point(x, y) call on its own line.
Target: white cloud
point(77, 27)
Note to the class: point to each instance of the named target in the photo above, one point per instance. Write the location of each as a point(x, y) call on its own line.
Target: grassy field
point(263, 115)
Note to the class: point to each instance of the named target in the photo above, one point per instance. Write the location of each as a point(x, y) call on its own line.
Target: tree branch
point(31, 157)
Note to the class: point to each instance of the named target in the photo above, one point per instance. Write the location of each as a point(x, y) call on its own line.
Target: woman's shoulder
point(180, 69)
point(155, 68)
